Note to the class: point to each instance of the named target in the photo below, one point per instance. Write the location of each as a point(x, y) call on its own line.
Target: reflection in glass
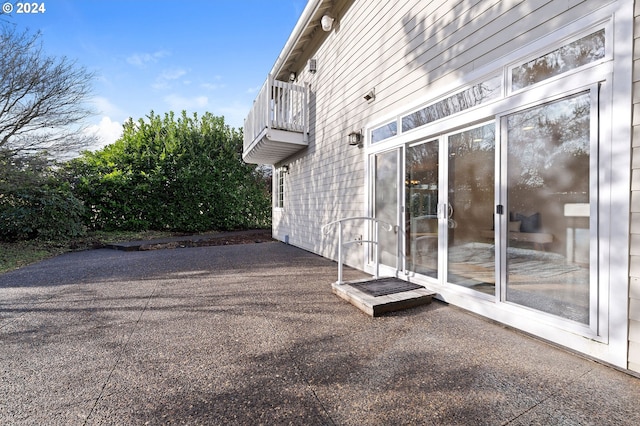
point(548, 240)
point(384, 132)
point(471, 182)
point(468, 98)
point(386, 204)
point(422, 208)
point(571, 56)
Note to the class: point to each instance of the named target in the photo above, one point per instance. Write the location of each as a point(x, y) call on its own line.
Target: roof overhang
point(303, 33)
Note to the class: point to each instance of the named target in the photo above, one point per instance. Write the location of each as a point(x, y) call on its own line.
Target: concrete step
point(379, 296)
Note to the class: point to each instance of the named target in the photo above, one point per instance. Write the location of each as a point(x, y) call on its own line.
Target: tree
point(42, 98)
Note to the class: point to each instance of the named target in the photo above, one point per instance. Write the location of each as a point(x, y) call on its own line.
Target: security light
point(370, 96)
point(327, 23)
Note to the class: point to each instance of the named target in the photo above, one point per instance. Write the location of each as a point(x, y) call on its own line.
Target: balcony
point(276, 126)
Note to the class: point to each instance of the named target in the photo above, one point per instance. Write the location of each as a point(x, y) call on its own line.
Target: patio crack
point(547, 398)
point(121, 354)
point(300, 373)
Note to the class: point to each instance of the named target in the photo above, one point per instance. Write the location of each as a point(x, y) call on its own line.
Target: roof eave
point(301, 34)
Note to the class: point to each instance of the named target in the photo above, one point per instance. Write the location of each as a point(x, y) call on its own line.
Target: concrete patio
point(252, 334)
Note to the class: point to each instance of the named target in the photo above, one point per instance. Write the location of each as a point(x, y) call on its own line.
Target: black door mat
point(385, 286)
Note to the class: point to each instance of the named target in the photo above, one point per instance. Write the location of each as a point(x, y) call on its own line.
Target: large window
point(501, 198)
point(548, 194)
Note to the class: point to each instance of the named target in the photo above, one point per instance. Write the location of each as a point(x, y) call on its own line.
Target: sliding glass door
point(386, 204)
point(450, 208)
point(548, 162)
point(530, 244)
point(422, 205)
point(469, 208)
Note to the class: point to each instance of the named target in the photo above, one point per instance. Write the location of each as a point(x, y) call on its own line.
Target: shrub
point(35, 204)
point(181, 174)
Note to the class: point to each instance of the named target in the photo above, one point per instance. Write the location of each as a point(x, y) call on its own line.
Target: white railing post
point(340, 253)
point(374, 241)
point(376, 253)
point(305, 109)
point(269, 95)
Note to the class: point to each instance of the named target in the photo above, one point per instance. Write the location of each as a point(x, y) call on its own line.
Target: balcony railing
point(277, 125)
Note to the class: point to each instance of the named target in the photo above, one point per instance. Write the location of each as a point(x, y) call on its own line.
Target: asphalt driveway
point(251, 334)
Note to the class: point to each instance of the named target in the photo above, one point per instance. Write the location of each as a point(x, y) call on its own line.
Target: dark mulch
point(258, 236)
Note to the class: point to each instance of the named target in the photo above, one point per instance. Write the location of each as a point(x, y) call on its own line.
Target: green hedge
point(181, 174)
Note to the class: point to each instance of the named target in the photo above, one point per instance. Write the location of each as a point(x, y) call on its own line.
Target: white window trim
point(278, 175)
point(607, 26)
point(616, 69)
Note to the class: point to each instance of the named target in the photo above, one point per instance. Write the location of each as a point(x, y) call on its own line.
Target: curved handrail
point(374, 241)
point(389, 226)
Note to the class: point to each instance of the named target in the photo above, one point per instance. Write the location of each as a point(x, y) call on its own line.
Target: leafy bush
point(40, 212)
point(34, 203)
point(183, 174)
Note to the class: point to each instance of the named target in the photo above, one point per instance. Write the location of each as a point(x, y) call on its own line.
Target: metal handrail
point(374, 240)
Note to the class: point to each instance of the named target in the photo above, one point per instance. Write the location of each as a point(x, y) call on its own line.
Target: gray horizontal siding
point(634, 270)
point(407, 50)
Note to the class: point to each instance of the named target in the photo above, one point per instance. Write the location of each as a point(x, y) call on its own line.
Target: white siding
point(408, 50)
point(634, 270)
point(412, 52)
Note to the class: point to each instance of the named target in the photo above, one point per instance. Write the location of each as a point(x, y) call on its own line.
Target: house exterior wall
point(411, 52)
point(634, 279)
point(407, 50)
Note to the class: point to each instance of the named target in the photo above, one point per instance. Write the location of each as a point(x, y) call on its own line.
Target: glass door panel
point(422, 208)
point(548, 206)
point(386, 205)
point(471, 200)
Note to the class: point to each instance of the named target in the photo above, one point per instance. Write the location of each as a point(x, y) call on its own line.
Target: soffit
point(309, 30)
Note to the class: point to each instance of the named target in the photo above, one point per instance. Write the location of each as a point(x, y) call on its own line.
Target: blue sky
point(193, 55)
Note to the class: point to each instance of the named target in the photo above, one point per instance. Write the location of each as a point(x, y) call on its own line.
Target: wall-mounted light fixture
point(313, 65)
point(327, 22)
point(370, 96)
point(355, 138)
point(292, 76)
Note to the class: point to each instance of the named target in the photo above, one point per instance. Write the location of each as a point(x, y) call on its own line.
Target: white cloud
point(172, 74)
point(166, 77)
point(105, 107)
point(212, 86)
point(107, 132)
point(234, 113)
point(252, 90)
point(179, 103)
point(140, 60)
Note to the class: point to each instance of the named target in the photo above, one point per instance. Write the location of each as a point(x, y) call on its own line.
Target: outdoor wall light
point(313, 65)
point(292, 76)
point(285, 168)
point(370, 96)
point(355, 138)
point(327, 23)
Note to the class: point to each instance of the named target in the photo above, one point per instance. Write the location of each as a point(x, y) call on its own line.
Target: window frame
point(279, 188)
point(614, 129)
